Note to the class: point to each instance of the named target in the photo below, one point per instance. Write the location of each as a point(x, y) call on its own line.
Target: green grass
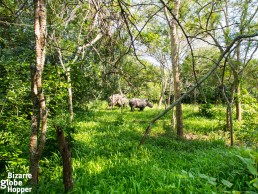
point(106, 158)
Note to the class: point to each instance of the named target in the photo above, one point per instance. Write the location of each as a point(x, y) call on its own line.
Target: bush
point(205, 110)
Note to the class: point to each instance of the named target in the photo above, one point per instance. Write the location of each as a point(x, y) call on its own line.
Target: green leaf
point(226, 183)
point(191, 175)
point(210, 179)
point(250, 165)
point(212, 182)
point(252, 169)
point(255, 182)
point(203, 176)
point(236, 192)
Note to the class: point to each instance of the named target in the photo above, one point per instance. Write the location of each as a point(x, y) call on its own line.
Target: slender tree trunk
point(174, 39)
point(163, 90)
point(39, 117)
point(170, 90)
point(69, 85)
point(70, 94)
point(238, 102)
point(195, 95)
point(35, 124)
point(227, 118)
point(231, 124)
point(173, 118)
point(229, 113)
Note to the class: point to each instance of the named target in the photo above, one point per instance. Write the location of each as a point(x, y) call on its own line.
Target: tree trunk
point(170, 90)
point(67, 159)
point(69, 85)
point(238, 102)
point(173, 118)
point(39, 117)
point(195, 96)
point(229, 114)
point(227, 118)
point(231, 124)
point(174, 39)
point(70, 94)
point(163, 90)
point(35, 123)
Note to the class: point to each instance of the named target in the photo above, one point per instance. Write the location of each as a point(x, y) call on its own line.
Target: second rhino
point(139, 103)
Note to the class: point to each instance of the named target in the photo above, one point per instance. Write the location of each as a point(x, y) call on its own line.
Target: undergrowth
point(106, 158)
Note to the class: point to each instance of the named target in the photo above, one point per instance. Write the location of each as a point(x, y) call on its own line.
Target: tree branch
point(222, 55)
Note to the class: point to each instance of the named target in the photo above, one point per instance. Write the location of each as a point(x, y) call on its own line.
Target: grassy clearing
point(106, 158)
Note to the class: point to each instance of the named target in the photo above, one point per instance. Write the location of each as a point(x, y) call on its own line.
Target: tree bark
point(229, 122)
point(170, 89)
point(39, 117)
point(229, 101)
point(70, 94)
point(238, 102)
point(195, 96)
point(35, 124)
point(227, 118)
point(163, 87)
point(174, 39)
point(67, 159)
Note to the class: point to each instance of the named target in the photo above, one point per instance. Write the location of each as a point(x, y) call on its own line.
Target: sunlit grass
point(106, 158)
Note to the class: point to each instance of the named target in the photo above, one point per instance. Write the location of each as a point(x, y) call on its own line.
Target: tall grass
point(106, 158)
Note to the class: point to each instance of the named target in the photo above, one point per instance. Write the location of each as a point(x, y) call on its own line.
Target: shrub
point(205, 110)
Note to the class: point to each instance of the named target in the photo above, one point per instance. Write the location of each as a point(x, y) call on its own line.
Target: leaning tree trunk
point(39, 117)
point(174, 39)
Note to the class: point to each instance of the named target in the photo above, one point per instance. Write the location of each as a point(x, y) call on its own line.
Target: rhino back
point(137, 102)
